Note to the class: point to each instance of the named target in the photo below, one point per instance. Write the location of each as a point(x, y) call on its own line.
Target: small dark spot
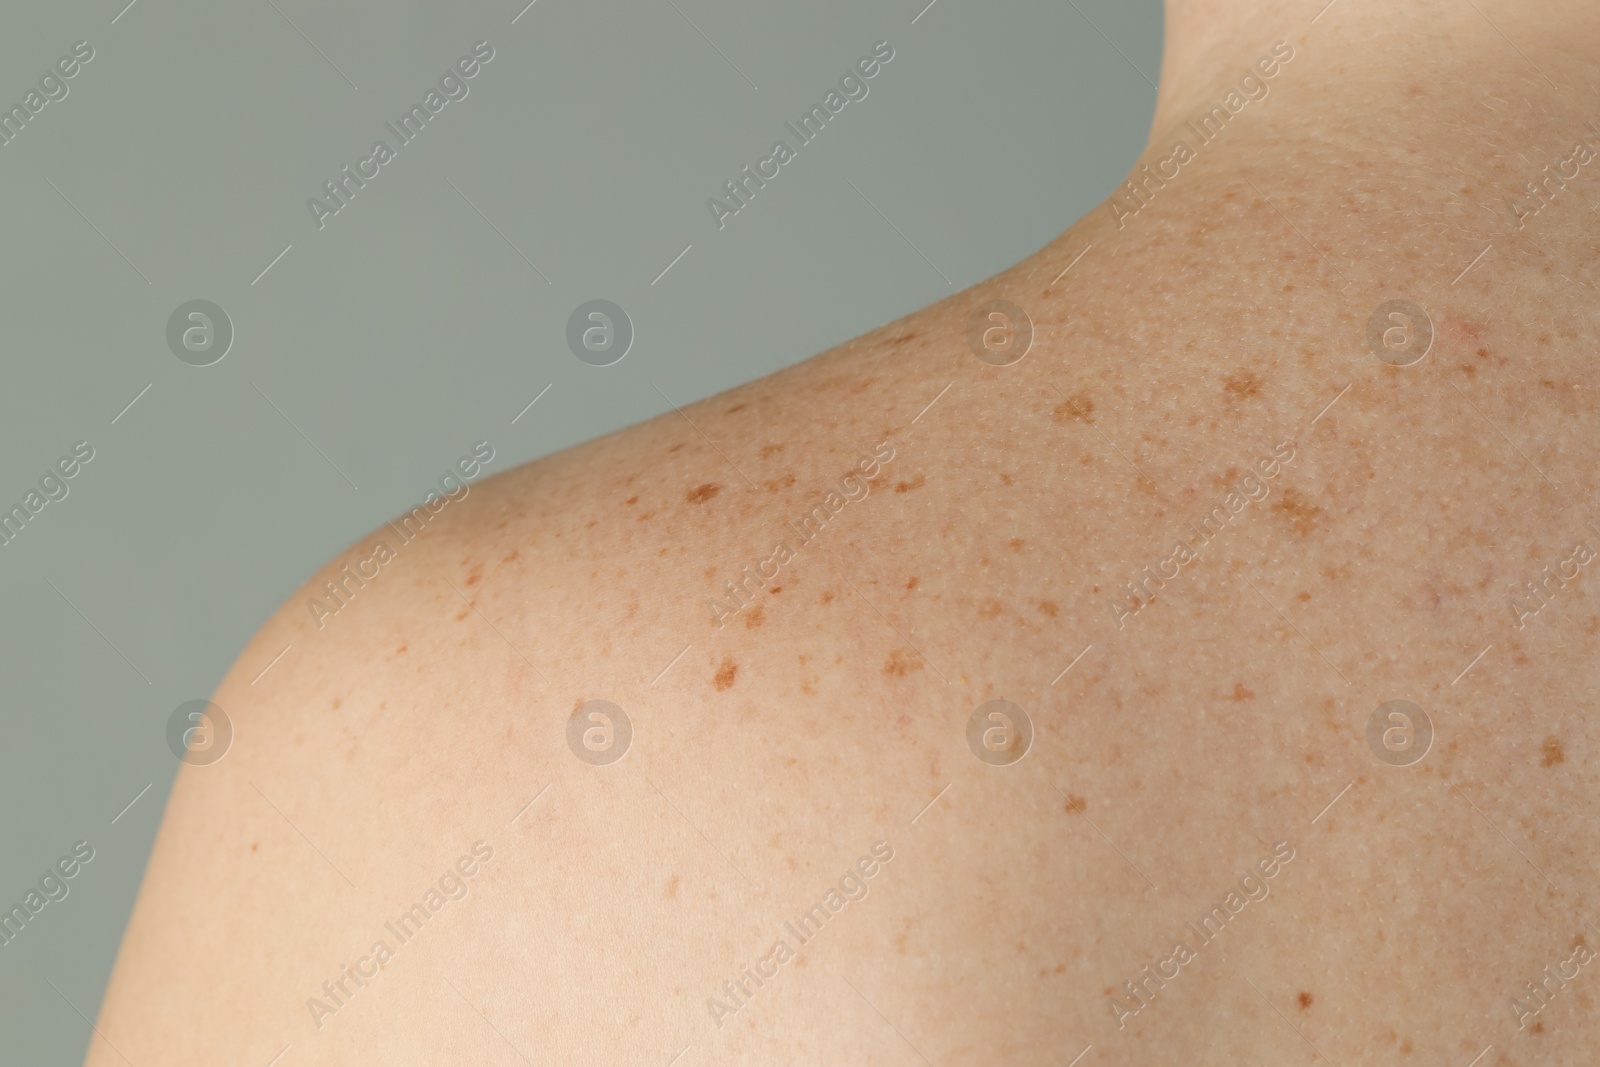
point(911, 582)
point(631, 500)
point(901, 663)
point(672, 887)
point(1079, 407)
point(916, 483)
point(512, 558)
point(1300, 514)
point(1405, 1046)
point(775, 590)
point(768, 451)
point(1241, 693)
point(736, 407)
point(254, 845)
point(776, 484)
point(464, 613)
point(1006, 479)
point(1305, 1000)
point(1243, 384)
point(1302, 596)
point(1050, 608)
point(701, 493)
point(677, 446)
point(1553, 752)
point(755, 616)
point(905, 338)
point(1075, 803)
point(989, 608)
point(827, 597)
point(724, 676)
point(1016, 543)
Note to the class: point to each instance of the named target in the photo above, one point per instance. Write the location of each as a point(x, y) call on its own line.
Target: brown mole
point(1079, 407)
point(701, 493)
point(901, 663)
point(1243, 384)
point(1300, 514)
point(916, 483)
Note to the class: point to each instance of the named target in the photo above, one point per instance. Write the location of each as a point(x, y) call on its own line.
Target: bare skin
point(1209, 726)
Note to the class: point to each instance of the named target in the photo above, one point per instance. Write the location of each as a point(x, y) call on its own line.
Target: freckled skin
point(1228, 714)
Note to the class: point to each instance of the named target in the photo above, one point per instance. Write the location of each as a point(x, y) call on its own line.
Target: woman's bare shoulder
point(1124, 641)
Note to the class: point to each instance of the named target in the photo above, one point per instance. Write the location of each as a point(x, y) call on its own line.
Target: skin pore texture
point(1201, 776)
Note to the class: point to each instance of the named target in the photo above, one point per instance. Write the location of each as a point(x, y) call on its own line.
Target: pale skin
point(1215, 716)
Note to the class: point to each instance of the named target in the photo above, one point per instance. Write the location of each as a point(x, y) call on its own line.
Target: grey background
point(407, 328)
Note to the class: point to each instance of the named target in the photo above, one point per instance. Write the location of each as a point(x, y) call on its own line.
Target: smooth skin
point(1208, 747)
